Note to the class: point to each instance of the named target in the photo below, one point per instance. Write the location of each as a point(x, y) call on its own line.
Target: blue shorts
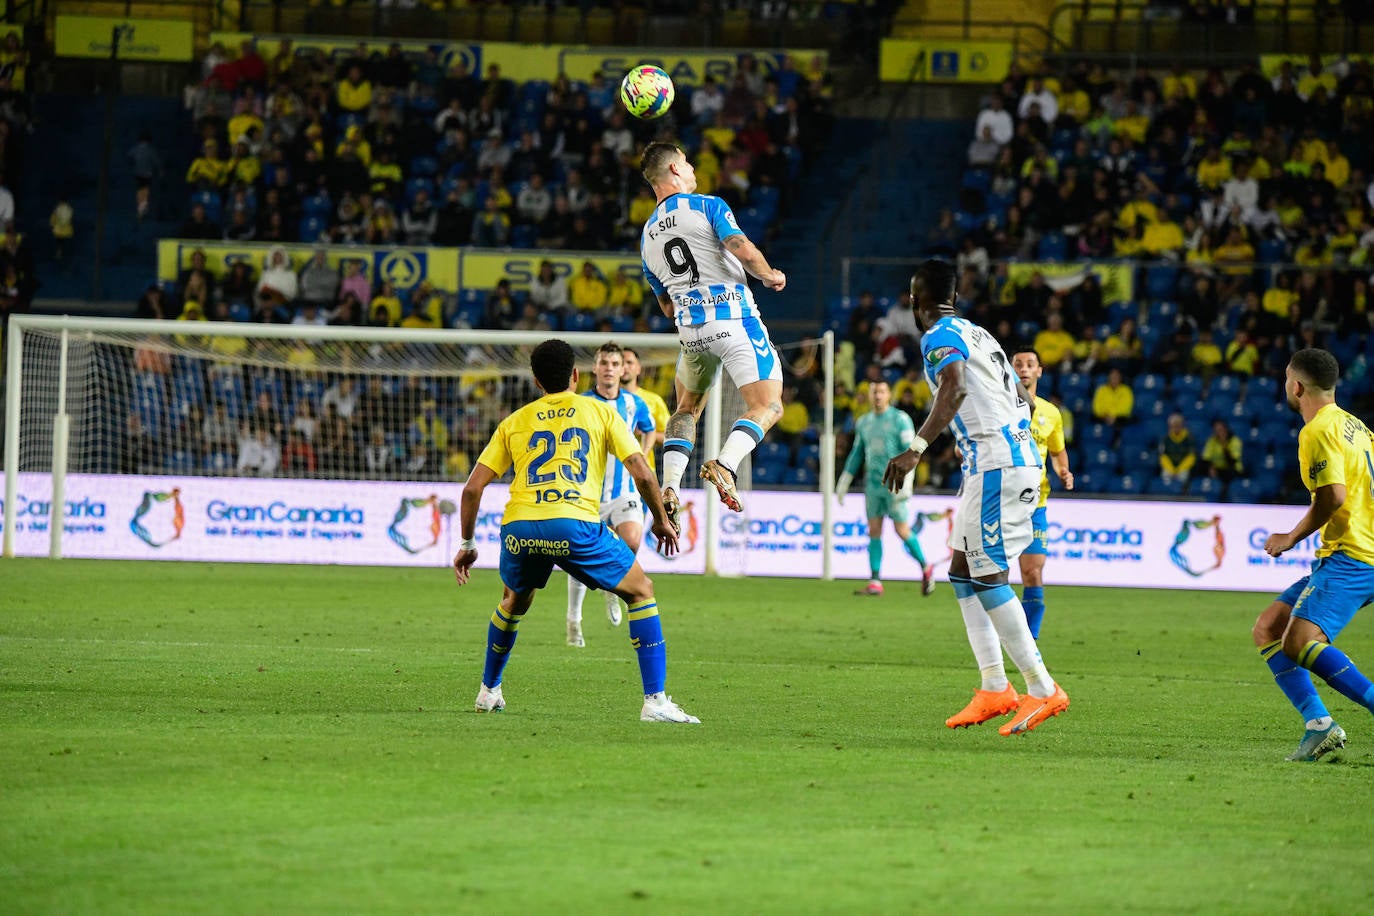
point(589, 552)
point(1337, 587)
point(1040, 534)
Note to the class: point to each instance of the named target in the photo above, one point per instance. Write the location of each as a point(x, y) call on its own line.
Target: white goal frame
point(67, 327)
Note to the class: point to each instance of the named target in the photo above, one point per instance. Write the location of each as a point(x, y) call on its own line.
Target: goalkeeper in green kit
point(880, 435)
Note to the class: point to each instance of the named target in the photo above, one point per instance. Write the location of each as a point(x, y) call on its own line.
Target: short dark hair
point(610, 347)
point(631, 350)
point(654, 162)
point(1317, 367)
point(552, 364)
point(1027, 348)
point(938, 277)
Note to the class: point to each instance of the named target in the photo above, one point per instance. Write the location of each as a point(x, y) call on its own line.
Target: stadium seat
point(239, 311)
point(1053, 246)
point(580, 321)
point(1026, 330)
point(210, 200)
point(977, 180)
point(415, 185)
point(622, 324)
point(311, 228)
point(767, 474)
point(1101, 461)
point(524, 236)
point(181, 461)
point(660, 324)
point(1248, 490)
point(1137, 436)
point(1088, 482)
point(1096, 435)
point(310, 389)
point(1207, 487)
point(1220, 406)
point(1186, 388)
point(1118, 312)
point(770, 452)
point(1161, 487)
point(219, 463)
point(1271, 251)
point(1278, 433)
point(1227, 384)
point(317, 205)
point(424, 166)
point(1148, 384)
point(1141, 462)
point(473, 314)
point(809, 456)
point(1163, 315)
point(800, 477)
point(765, 198)
point(1161, 281)
point(1125, 485)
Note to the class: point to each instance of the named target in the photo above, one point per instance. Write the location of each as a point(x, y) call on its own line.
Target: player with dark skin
point(948, 398)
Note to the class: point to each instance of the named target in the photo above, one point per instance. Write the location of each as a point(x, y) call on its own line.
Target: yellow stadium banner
point(687, 68)
point(138, 39)
point(537, 62)
point(402, 267)
point(447, 269)
point(481, 269)
point(903, 60)
point(1270, 64)
point(1117, 280)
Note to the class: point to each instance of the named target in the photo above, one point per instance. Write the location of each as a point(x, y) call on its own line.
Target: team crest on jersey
point(937, 355)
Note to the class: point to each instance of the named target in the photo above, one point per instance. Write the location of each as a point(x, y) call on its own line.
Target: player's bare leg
point(501, 632)
point(927, 571)
point(763, 408)
point(646, 635)
point(632, 533)
point(679, 439)
point(995, 621)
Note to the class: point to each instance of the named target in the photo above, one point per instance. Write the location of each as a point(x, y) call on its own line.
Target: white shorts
point(742, 347)
point(992, 525)
point(622, 509)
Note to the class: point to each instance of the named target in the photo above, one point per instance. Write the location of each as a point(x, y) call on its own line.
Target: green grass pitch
point(180, 738)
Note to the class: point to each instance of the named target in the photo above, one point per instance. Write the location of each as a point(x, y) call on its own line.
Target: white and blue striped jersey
point(635, 413)
point(992, 427)
point(683, 255)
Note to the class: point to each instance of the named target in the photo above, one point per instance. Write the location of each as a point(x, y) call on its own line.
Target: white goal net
point(204, 440)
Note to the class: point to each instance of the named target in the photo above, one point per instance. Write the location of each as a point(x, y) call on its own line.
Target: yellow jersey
point(658, 410)
point(1047, 429)
point(558, 446)
point(1335, 448)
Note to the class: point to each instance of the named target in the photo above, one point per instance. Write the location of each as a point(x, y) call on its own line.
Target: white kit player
point(698, 263)
point(621, 508)
point(987, 410)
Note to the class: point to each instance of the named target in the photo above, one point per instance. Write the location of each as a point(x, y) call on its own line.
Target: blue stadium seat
point(660, 324)
point(181, 462)
point(239, 311)
point(1278, 433)
point(1163, 315)
point(1118, 312)
point(415, 185)
point(1073, 385)
point(622, 324)
point(471, 313)
point(1137, 436)
point(1088, 482)
point(809, 455)
point(1048, 385)
point(269, 385)
point(765, 197)
point(772, 452)
point(1225, 383)
point(768, 474)
point(1148, 384)
point(1125, 485)
point(1249, 490)
point(1186, 388)
point(1271, 251)
point(227, 389)
point(1096, 435)
point(1161, 281)
point(1161, 487)
point(424, 166)
point(1100, 461)
point(1277, 463)
point(1207, 487)
point(1220, 405)
point(1141, 462)
point(210, 200)
point(1053, 246)
point(310, 389)
point(580, 321)
point(1026, 330)
point(317, 205)
point(311, 228)
point(800, 477)
point(524, 236)
point(977, 180)
point(219, 463)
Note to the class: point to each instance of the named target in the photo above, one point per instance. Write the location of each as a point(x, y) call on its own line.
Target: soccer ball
point(647, 92)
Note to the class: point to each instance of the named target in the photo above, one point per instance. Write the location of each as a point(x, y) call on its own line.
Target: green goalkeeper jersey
point(878, 438)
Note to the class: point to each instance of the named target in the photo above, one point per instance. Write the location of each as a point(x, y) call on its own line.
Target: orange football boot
point(1035, 710)
point(985, 705)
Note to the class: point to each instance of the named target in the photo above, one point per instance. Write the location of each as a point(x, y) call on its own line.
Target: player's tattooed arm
point(665, 303)
point(754, 262)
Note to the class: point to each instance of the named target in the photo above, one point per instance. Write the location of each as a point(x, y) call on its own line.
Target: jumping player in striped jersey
point(988, 411)
point(621, 508)
point(698, 263)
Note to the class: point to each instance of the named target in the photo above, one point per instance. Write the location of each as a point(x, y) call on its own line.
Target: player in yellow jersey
point(557, 448)
point(1294, 634)
point(1047, 429)
point(658, 409)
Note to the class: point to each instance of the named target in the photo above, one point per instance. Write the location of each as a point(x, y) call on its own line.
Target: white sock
point(987, 651)
point(576, 592)
point(737, 447)
point(1010, 620)
point(674, 466)
point(1320, 724)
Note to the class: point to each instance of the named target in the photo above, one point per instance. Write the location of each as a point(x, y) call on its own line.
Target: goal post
point(133, 403)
